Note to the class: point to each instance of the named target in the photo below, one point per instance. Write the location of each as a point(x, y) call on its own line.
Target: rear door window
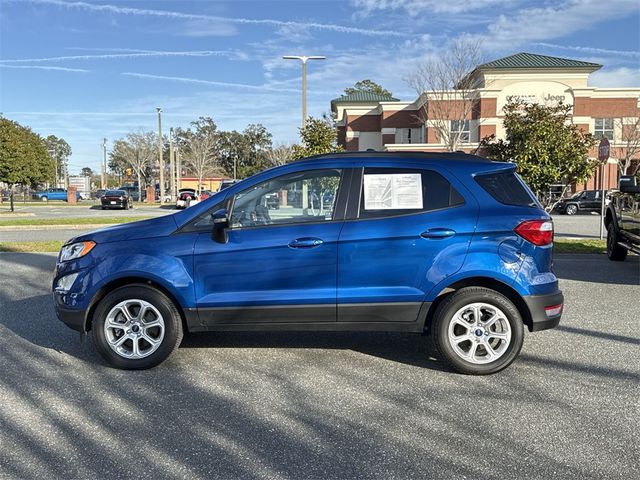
point(389, 192)
point(507, 188)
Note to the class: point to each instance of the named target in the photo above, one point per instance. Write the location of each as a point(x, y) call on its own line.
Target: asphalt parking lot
point(297, 405)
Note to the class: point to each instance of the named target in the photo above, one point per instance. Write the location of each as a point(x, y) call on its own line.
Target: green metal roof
point(533, 60)
point(363, 97)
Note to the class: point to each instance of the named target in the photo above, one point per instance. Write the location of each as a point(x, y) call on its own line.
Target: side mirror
point(220, 226)
point(629, 184)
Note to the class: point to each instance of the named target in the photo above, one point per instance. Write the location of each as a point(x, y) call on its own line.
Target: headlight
point(65, 283)
point(76, 250)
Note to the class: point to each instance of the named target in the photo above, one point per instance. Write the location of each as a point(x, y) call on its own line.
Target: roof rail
point(458, 155)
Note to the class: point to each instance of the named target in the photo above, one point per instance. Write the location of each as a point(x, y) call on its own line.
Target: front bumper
point(538, 307)
point(74, 319)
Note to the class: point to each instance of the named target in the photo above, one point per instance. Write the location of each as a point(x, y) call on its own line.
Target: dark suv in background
point(622, 220)
point(585, 201)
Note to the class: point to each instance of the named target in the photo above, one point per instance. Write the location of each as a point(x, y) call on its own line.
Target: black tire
point(444, 316)
point(170, 315)
point(615, 252)
point(103, 208)
point(571, 209)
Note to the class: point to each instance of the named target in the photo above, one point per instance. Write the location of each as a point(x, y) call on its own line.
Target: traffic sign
point(603, 149)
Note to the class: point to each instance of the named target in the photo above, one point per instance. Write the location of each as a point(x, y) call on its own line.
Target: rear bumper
point(538, 308)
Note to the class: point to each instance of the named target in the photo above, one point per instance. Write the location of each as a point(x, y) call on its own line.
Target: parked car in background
point(226, 184)
point(622, 219)
point(584, 201)
point(116, 199)
point(133, 193)
point(98, 193)
point(55, 194)
point(449, 245)
point(186, 198)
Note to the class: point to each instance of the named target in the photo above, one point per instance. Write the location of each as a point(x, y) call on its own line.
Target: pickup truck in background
point(622, 220)
point(55, 194)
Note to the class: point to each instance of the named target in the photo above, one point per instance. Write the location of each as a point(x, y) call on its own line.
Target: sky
point(84, 70)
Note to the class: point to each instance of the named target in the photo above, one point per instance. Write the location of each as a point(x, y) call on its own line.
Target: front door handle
point(438, 233)
point(307, 242)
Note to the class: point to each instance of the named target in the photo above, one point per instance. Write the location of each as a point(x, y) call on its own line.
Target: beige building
point(366, 121)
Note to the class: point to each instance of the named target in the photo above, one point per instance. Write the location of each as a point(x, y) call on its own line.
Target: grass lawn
point(71, 221)
point(569, 245)
point(26, 247)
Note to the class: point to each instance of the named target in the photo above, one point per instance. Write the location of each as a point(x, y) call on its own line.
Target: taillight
point(538, 232)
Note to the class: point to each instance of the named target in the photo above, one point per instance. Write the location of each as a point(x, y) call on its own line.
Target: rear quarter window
point(506, 188)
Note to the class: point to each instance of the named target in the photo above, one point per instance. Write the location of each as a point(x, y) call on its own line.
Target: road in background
point(323, 405)
point(585, 225)
point(88, 210)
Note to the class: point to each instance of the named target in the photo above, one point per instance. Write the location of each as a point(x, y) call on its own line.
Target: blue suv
point(447, 244)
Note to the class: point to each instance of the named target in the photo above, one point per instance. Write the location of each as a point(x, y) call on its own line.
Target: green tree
point(368, 86)
point(87, 172)
point(136, 151)
point(318, 136)
point(245, 153)
point(24, 158)
point(60, 151)
point(545, 145)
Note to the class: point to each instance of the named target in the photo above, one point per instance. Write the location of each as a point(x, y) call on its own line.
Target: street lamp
point(103, 167)
point(160, 159)
point(304, 59)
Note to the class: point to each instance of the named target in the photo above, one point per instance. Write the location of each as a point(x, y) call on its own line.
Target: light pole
point(160, 159)
point(172, 166)
point(304, 59)
point(103, 170)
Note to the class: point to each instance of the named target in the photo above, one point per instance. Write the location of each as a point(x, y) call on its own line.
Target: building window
point(604, 128)
point(461, 127)
point(408, 135)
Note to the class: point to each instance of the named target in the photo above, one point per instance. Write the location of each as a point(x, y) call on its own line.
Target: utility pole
point(160, 159)
point(172, 166)
point(103, 169)
point(304, 59)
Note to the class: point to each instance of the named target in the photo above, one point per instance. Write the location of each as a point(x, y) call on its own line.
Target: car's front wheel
point(571, 209)
point(615, 252)
point(478, 331)
point(136, 327)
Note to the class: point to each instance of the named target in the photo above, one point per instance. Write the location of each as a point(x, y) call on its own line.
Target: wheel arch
point(486, 282)
point(610, 218)
point(130, 280)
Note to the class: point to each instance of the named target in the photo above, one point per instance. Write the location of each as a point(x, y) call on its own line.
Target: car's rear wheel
point(571, 209)
point(136, 327)
point(615, 252)
point(478, 331)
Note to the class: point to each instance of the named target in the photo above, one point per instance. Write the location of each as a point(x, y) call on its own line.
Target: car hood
point(152, 228)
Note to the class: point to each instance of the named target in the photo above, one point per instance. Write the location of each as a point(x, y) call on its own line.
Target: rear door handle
point(306, 242)
point(438, 233)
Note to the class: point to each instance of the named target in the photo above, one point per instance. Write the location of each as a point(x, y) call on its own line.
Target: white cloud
point(46, 67)
point(105, 8)
point(416, 7)
point(616, 78)
point(559, 20)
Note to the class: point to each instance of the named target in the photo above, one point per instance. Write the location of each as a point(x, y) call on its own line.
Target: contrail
point(204, 53)
point(596, 51)
point(260, 88)
point(43, 67)
point(238, 20)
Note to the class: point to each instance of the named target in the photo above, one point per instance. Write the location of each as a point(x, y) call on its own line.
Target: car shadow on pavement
point(597, 268)
point(410, 349)
point(598, 334)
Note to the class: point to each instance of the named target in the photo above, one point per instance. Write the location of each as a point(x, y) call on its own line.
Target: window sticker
point(396, 191)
